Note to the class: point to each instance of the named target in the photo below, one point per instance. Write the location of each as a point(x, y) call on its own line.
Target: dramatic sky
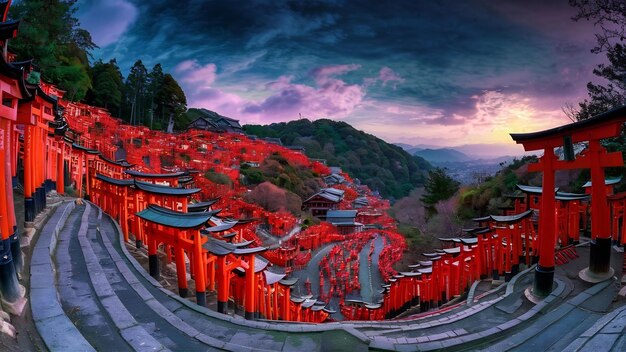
point(441, 73)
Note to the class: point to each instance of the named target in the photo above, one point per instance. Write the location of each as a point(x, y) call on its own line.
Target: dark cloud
point(439, 55)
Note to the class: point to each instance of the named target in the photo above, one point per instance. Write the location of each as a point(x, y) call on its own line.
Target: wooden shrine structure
point(595, 158)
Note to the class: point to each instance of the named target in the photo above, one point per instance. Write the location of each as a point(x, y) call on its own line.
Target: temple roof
point(170, 218)
point(607, 181)
point(202, 206)
point(372, 306)
point(40, 93)
point(477, 229)
point(260, 263)
point(482, 219)
point(410, 273)
point(165, 190)
point(272, 278)
point(229, 235)
point(566, 197)
point(122, 163)
point(221, 227)
point(220, 248)
point(331, 194)
point(289, 281)
point(611, 116)
point(512, 218)
point(341, 214)
point(217, 247)
point(454, 240)
point(533, 189)
point(469, 240)
point(185, 179)
point(295, 299)
point(135, 173)
point(453, 250)
point(242, 244)
point(115, 181)
point(87, 150)
point(308, 303)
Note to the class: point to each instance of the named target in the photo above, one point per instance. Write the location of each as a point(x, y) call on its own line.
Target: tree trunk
point(170, 124)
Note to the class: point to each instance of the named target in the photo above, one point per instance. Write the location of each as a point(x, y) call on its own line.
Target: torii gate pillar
point(600, 252)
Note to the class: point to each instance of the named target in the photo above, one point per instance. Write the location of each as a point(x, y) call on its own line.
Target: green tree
point(50, 34)
point(155, 81)
point(108, 84)
point(135, 89)
point(610, 16)
point(381, 166)
point(439, 186)
point(171, 102)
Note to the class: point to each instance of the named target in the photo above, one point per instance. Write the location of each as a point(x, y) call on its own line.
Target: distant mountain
point(376, 163)
point(411, 149)
point(473, 151)
point(442, 155)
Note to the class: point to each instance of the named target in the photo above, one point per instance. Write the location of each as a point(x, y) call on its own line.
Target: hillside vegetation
point(376, 163)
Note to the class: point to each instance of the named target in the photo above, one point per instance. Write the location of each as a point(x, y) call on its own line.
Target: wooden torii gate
point(12, 89)
point(596, 158)
point(182, 232)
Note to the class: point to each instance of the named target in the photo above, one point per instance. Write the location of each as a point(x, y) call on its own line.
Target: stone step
point(129, 309)
point(234, 333)
point(78, 297)
point(136, 318)
point(54, 326)
point(126, 282)
point(558, 327)
point(120, 321)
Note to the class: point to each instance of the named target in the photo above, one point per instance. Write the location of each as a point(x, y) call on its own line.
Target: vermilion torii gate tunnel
point(595, 158)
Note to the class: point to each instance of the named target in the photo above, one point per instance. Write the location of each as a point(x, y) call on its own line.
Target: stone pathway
point(108, 302)
point(88, 293)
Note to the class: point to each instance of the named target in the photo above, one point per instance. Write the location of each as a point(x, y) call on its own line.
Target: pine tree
point(155, 81)
point(50, 34)
point(438, 187)
point(172, 103)
point(135, 93)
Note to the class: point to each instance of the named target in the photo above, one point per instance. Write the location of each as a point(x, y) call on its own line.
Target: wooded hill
point(376, 163)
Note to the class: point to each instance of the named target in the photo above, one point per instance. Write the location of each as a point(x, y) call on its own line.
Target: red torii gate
point(181, 231)
point(112, 196)
point(602, 126)
point(171, 178)
point(13, 89)
point(618, 217)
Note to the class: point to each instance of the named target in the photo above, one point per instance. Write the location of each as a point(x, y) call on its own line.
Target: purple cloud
point(107, 21)
point(331, 97)
point(324, 72)
point(387, 75)
point(195, 74)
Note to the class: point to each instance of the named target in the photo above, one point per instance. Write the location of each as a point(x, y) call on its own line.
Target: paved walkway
point(108, 302)
point(88, 293)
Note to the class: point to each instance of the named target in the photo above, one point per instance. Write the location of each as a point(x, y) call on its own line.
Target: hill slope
point(443, 155)
point(378, 164)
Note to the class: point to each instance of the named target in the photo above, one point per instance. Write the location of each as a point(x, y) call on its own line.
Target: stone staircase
point(88, 293)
